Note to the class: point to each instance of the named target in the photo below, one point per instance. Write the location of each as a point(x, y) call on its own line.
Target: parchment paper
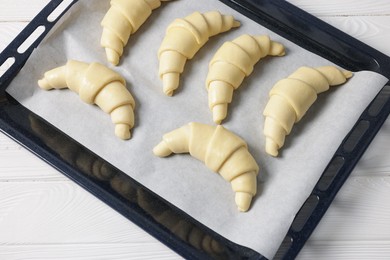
point(284, 182)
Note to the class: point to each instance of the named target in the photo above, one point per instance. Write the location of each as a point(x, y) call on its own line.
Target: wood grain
point(344, 8)
point(343, 250)
point(20, 10)
point(372, 30)
point(8, 31)
point(43, 210)
point(363, 201)
point(98, 251)
point(18, 164)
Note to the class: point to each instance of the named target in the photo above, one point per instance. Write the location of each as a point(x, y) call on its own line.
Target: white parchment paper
point(284, 182)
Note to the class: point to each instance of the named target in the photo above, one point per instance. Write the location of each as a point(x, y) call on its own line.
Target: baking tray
point(189, 238)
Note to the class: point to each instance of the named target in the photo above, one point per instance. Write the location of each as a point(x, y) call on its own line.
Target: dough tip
point(348, 74)
point(236, 24)
point(112, 56)
point(219, 113)
point(162, 150)
point(169, 93)
point(243, 201)
point(277, 49)
point(170, 83)
point(44, 84)
point(123, 131)
point(271, 147)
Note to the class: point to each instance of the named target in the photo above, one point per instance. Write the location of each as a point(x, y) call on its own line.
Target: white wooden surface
point(43, 215)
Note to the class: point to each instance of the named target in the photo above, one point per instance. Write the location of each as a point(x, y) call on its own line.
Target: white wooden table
point(44, 215)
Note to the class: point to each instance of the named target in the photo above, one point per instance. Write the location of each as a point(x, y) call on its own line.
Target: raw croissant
point(234, 61)
point(221, 150)
point(183, 39)
point(291, 97)
point(96, 84)
point(123, 19)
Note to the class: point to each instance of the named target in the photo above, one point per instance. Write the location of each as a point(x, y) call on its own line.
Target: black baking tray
point(161, 219)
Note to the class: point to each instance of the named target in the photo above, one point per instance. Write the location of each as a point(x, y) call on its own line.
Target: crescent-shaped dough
point(232, 62)
point(291, 97)
point(184, 38)
point(96, 84)
point(124, 18)
point(221, 151)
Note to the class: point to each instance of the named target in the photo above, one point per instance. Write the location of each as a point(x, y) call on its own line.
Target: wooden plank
point(8, 31)
point(20, 10)
point(59, 212)
point(18, 164)
point(372, 30)
point(343, 8)
point(356, 250)
point(359, 212)
point(353, 250)
point(117, 251)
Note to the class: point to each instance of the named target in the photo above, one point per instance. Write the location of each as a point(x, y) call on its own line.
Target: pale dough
point(184, 38)
point(221, 150)
point(124, 18)
point(96, 84)
point(232, 62)
point(290, 98)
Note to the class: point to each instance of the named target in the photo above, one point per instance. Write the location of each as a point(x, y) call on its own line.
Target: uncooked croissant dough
point(184, 37)
point(232, 62)
point(291, 97)
point(123, 19)
point(221, 150)
point(96, 84)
